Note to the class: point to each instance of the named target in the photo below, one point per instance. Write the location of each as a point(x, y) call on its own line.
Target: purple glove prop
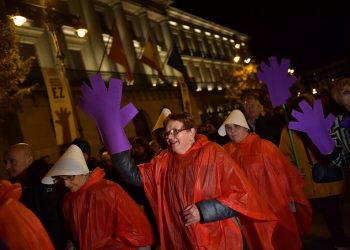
point(313, 123)
point(345, 121)
point(277, 80)
point(104, 107)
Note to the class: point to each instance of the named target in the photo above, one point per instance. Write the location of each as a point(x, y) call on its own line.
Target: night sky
point(311, 33)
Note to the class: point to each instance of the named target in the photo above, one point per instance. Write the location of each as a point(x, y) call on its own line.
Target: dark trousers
point(329, 207)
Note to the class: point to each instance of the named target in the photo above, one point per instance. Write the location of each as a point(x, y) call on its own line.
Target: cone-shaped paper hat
point(159, 124)
point(72, 162)
point(235, 117)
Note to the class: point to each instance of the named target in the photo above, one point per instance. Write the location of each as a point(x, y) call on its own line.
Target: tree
point(13, 70)
point(244, 80)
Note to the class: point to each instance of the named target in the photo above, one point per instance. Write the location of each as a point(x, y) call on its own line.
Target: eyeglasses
point(173, 132)
point(62, 178)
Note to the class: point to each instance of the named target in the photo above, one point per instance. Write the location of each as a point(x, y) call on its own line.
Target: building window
point(210, 75)
point(228, 51)
point(34, 76)
point(221, 51)
point(103, 23)
point(198, 74)
point(190, 45)
point(212, 48)
point(155, 27)
point(77, 73)
point(202, 47)
point(136, 27)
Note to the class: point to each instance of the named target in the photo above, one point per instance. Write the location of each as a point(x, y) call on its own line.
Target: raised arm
point(103, 105)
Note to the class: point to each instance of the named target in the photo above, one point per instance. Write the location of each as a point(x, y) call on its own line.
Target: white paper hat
point(159, 124)
point(72, 162)
point(235, 117)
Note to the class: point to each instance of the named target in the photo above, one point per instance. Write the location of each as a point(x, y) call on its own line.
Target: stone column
point(95, 41)
point(168, 37)
point(125, 37)
point(144, 24)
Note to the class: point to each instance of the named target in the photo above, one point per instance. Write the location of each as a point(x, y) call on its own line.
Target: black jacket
point(43, 200)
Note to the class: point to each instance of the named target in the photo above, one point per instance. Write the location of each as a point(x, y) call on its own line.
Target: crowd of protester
point(242, 182)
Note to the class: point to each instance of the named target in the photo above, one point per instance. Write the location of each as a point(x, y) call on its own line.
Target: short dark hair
point(184, 117)
point(83, 145)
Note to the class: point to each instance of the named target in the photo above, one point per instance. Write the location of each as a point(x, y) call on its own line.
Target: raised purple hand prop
point(104, 107)
point(313, 123)
point(277, 80)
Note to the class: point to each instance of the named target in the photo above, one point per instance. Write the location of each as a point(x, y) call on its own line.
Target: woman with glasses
point(98, 212)
point(274, 177)
point(340, 130)
point(197, 192)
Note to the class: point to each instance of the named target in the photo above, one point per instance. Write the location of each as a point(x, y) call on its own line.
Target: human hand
point(277, 80)
point(190, 215)
point(63, 119)
point(313, 123)
point(103, 105)
point(63, 116)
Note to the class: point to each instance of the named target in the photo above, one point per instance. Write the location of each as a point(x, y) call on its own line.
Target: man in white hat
point(274, 177)
point(98, 212)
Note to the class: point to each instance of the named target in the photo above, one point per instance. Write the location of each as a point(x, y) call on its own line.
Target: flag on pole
point(118, 55)
point(175, 61)
point(151, 57)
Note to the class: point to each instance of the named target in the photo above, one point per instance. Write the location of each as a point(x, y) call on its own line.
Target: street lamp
point(19, 20)
point(81, 32)
point(52, 13)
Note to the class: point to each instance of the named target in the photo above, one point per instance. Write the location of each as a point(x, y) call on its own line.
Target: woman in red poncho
point(274, 177)
point(197, 192)
point(98, 212)
point(20, 229)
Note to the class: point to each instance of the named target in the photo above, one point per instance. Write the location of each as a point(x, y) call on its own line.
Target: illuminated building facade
point(208, 50)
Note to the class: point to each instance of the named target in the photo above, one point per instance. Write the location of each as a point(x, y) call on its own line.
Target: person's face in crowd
point(252, 108)
point(345, 97)
point(16, 161)
point(155, 147)
point(72, 182)
point(138, 149)
point(236, 133)
point(211, 129)
point(178, 138)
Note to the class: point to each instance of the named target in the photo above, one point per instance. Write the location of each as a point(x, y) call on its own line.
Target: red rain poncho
point(20, 229)
point(279, 183)
point(173, 182)
point(101, 215)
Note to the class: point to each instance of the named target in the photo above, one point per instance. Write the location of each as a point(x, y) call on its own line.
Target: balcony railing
point(77, 77)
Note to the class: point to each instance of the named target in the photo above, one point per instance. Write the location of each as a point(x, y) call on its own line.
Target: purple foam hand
point(313, 123)
point(103, 105)
point(277, 80)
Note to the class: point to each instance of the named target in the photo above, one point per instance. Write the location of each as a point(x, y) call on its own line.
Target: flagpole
point(104, 54)
point(291, 138)
point(168, 55)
